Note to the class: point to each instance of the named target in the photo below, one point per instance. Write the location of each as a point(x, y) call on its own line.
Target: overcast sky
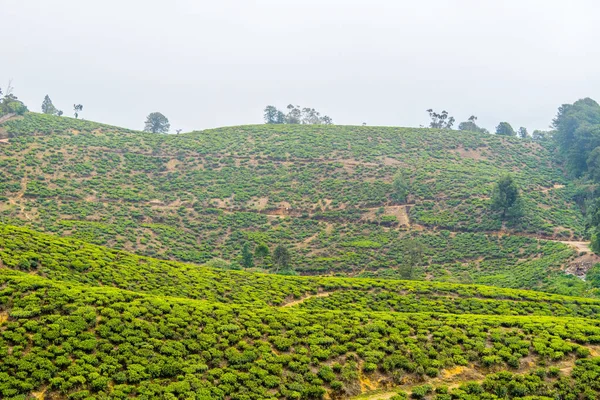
point(214, 63)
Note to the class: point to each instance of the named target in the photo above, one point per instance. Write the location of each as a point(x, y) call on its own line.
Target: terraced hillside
point(324, 191)
point(80, 321)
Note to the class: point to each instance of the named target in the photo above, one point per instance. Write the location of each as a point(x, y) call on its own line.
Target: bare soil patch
point(474, 154)
point(259, 203)
point(400, 212)
point(583, 247)
point(581, 265)
point(556, 186)
point(391, 161)
point(172, 164)
point(303, 299)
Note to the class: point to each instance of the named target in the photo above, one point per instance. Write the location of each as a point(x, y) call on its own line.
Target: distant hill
point(324, 191)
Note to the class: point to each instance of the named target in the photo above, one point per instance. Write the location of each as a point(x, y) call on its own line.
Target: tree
point(10, 104)
point(281, 257)
point(399, 188)
point(327, 120)
point(522, 132)
point(310, 116)
point(593, 164)
point(273, 116)
point(506, 197)
point(540, 136)
point(247, 261)
point(294, 115)
point(504, 129)
point(577, 133)
point(261, 251)
point(471, 126)
point(77, 109)
point(441, 120)
point(157, 123)
point(412, 255)
point(594, 226)
point(48, 107)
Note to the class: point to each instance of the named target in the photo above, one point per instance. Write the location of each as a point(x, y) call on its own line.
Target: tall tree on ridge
point(157, 123)
point(77, 108)
point(48, 107)
point(505, 129)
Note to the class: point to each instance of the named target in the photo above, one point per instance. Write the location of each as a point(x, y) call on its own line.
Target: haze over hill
point(382, 62)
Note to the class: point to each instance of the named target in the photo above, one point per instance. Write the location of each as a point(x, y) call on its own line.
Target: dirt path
point(583, 247)
point(6, 117)
point(303, 299)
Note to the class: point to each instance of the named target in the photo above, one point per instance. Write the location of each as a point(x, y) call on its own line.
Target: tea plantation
point(137, 265)
point(85, 322)
point(326, 192)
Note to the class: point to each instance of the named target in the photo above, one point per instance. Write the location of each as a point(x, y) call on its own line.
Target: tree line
point(295, 115)
point(49, 108)
point(443, 120)
point(577, 137)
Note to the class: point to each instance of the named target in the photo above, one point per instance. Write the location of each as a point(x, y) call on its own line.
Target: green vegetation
point(440, 120)
point(70, 260)
point(341, 199)
point(505, 129)
point(578, 138)
point(49, 108)
point(156, 123)
point(295, 115)
point(577, 135)
point(10, 104)
point(222, 337)
point(506, 198)
point(32, 124)
point(77, 108)
point(471, 126)
point(197, 294)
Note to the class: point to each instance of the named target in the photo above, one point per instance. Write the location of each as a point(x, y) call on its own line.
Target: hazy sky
point(214, 63)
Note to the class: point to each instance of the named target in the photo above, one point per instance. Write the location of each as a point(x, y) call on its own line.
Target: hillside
point(82, 321)
point(324, 191)
point(121, 277)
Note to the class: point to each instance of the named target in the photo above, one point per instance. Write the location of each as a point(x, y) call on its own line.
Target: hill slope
point(241, 335)
point(82, 321)
point(325, 191)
